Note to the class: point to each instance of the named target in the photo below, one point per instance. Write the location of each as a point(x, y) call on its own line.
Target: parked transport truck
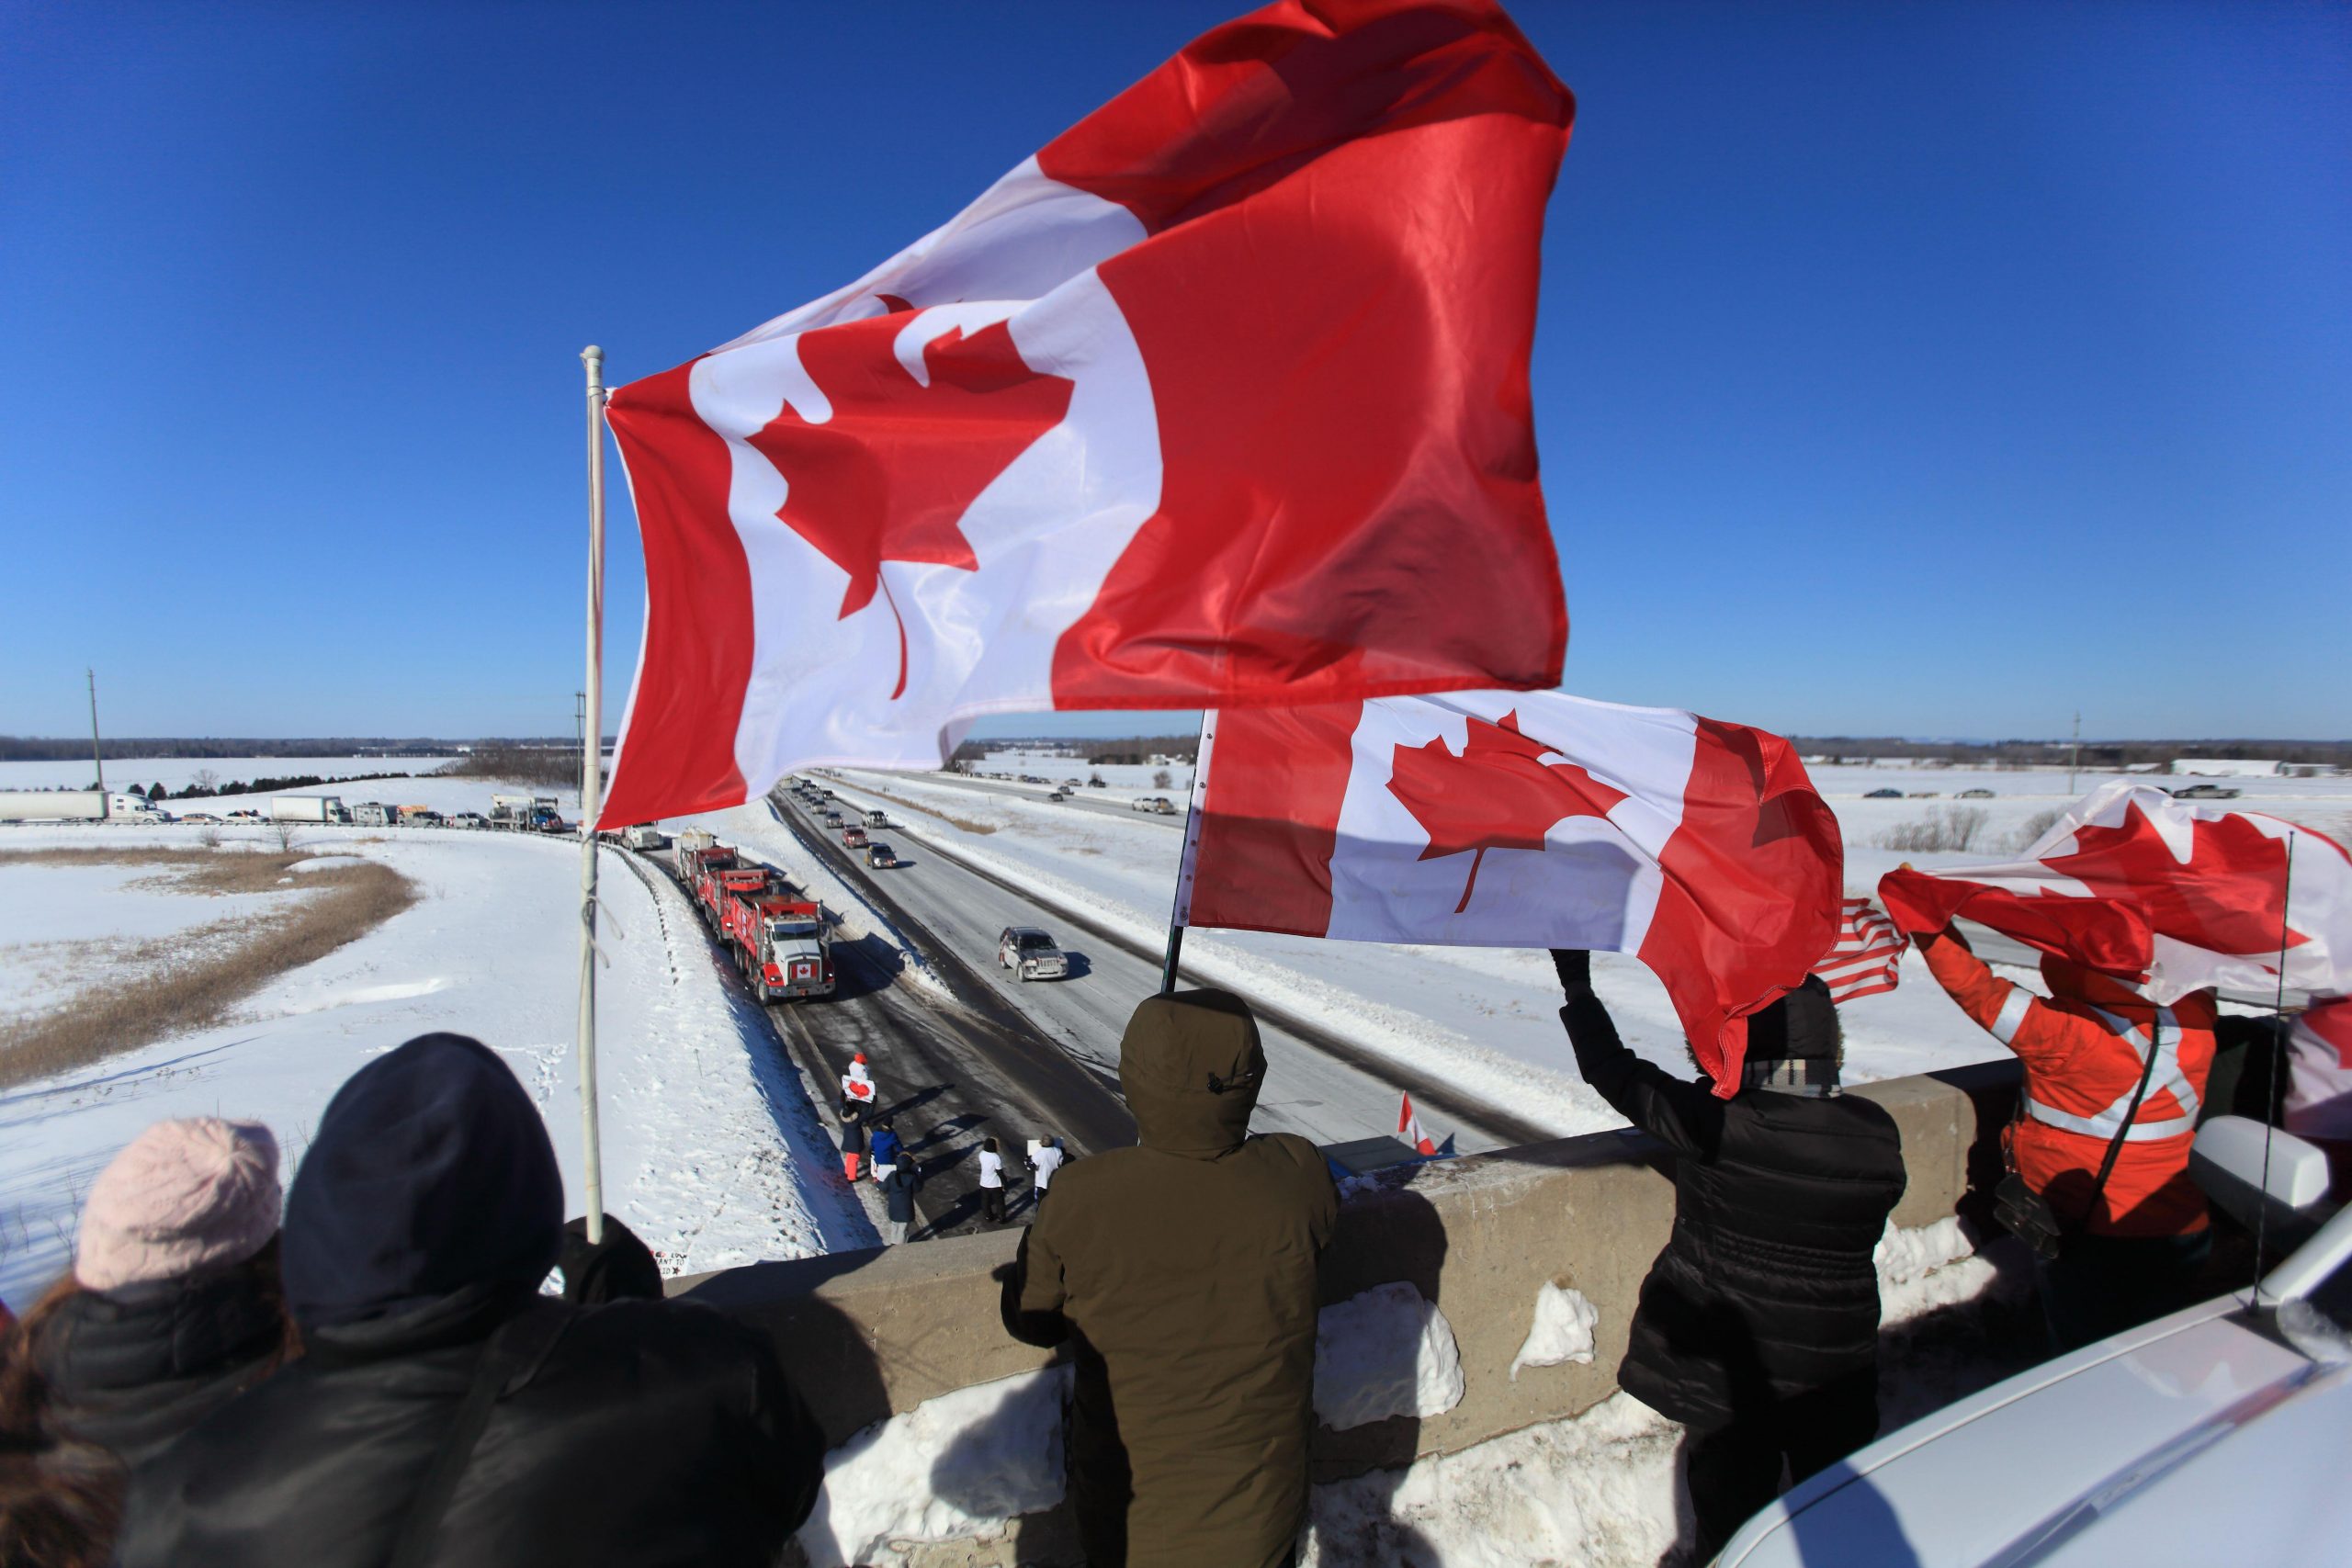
point(374, 813)
point(308, 808)
point(52, 806)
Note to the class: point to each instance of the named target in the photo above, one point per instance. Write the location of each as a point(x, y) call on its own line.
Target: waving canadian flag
point(2173, 895)
point(1526, 819)
point(1220, 399)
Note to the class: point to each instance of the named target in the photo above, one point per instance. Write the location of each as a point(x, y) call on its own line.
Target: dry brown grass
point(225, 962)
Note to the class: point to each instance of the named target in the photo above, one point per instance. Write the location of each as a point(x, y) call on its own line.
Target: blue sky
point(1921, 369)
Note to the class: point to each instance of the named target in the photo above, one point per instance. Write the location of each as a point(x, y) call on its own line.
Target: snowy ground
point(710, 1151)
point(1488, 1018)
point(178, 773)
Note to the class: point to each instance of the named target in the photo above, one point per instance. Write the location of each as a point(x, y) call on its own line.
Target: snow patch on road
point(1387, 1351)
point(1561, 1331)
point(957, 1467)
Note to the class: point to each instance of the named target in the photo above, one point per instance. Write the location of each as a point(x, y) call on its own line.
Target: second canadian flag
point(1526, 819)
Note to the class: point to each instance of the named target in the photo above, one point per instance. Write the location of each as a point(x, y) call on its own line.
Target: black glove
point(1575, 967)
point(618, 1266)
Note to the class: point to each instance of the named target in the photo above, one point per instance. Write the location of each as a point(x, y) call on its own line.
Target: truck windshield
point(792, 926)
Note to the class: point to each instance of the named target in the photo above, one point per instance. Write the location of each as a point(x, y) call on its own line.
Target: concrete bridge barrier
point(901, 1354)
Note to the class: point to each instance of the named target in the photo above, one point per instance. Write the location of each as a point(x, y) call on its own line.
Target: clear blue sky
point(1923, 369)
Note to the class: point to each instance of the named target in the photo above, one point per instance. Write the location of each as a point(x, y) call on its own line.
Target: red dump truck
point(698, 868)
point(779, 942)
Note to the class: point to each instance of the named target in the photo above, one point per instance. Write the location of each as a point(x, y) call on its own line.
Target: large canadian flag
point(1526, 819)
point(1221, 398)
point(2173, 895)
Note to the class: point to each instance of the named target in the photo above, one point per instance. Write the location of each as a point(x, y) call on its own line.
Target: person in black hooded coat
point(1757, 1325)
point(422, 1221)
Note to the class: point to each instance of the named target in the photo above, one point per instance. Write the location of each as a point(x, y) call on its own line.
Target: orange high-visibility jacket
point(2081, 1063)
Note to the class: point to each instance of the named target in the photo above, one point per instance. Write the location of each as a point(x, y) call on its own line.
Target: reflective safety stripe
point(2011, 1016)
point(2168, 1076)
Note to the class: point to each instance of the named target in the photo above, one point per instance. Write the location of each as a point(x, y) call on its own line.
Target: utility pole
point(98, 754)
point(2074, 755)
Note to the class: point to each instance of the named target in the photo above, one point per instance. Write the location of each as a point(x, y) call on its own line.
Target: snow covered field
point(710, 1151)
point(178, 773)
point(1488, 1018)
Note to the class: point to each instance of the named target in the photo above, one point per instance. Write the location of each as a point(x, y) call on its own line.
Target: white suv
point(1031, 954)
point(2216, 1435)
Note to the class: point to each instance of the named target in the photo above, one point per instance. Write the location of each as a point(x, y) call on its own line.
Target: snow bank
point(1561, 1329)
point(957, 1467)
point(1923, 1270)
point(1601, 1490)
point(711, 1153)
point(1389, 1351)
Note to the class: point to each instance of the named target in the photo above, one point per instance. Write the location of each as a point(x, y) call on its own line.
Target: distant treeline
point(549, 766)
point(204, 789)
point(49, 749)
point(2096, 754)
point(1093, 748)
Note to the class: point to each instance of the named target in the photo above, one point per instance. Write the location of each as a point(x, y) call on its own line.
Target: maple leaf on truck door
point(890, 474)
point(1499, 794)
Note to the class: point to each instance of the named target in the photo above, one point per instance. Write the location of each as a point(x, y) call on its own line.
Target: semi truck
point(525, 813)
point(778, 941)
point(308, 808)
point(52, 806)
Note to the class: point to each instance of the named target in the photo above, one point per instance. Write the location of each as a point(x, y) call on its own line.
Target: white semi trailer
point(52, 806)
point(308, 808)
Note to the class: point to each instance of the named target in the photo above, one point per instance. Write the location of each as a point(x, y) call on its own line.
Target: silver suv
point(1031, 954)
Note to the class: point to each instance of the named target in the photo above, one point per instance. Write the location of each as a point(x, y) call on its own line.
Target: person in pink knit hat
point(173, 1304)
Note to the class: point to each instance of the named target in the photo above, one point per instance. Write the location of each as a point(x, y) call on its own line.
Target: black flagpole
point(1181, 904)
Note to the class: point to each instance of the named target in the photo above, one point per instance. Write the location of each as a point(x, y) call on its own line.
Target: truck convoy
point(777, 939)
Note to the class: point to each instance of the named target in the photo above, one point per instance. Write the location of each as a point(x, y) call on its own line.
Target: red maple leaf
point(2229, 897)
point(889, 476)
point(1499, 794)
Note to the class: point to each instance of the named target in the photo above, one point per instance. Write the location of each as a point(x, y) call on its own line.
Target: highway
point(1322, 1087)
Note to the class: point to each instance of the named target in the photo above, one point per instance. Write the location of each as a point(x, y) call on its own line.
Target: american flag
point(1864, 961)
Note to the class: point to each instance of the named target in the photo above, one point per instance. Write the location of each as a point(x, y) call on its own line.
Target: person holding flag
point(1757, 1325)
point(2099, 1182)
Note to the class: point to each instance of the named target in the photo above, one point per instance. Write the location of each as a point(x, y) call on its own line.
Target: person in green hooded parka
point(1182, 1272)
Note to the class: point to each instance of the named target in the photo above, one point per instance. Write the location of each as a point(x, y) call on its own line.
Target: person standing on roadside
point(852, 1139)
point(898, 1190)
point(1042, 1165)
point(885, 1147)
point(991, 1183)
point(1757, 1327)
point(857, 1087)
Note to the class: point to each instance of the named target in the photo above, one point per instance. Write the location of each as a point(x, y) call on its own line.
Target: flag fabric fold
point(1221, 398)
point(2171, 896)
point(1526, 819)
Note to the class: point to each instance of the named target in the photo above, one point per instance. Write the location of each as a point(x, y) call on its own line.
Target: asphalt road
point(1321, 1086)
point(950, 1073)
point(1081, 799)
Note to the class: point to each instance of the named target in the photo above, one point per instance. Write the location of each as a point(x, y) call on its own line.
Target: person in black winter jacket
point(1757, 1325)
point(445, 1412)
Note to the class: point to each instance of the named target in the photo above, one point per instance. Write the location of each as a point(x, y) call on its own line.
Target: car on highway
point(876, 818)
point(244, 817)
point(1973, 795)
point(1031, 954)
point(1884, 794)
point(1059, 794)
point(198, 817)
point(1160, 804)
point(880, 856)
point(832, 818)
point(469, 819)
point(2215, 1435)
point(853, 837)
point(2205, 792)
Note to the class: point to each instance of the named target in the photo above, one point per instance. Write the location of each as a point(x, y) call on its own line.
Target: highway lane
point(1080, 799)
point(1319, 1087)
point(950, 1071)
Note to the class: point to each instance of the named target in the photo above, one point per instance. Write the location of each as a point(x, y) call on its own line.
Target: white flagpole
point(1181, 906)
point(591, 793)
